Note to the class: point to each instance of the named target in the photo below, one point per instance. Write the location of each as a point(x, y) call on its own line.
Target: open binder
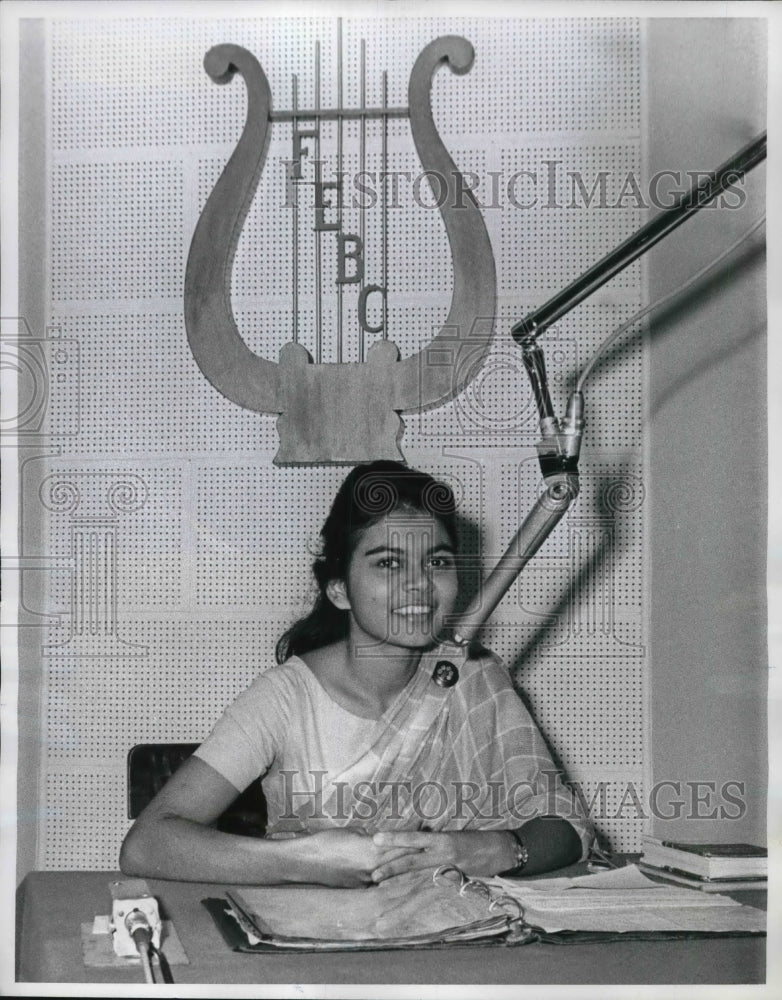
point(445, 908)
point(419, 910)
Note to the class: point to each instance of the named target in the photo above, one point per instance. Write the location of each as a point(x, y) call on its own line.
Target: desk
point(52, 905)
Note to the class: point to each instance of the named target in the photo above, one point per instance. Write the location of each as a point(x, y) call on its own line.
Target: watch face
point(522, 854)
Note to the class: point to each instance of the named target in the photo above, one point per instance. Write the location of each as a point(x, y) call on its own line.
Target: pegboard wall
point(177, 551)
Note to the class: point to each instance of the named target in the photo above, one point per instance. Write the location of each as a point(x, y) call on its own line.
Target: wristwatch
point(522, 854)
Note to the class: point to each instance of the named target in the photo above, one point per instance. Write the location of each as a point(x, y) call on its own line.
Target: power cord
point(165, 968)
point(140, 930)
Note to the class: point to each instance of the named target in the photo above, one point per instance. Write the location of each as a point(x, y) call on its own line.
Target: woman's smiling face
point(401, 582)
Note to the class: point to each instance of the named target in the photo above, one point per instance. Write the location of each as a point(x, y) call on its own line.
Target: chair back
point(150, 765)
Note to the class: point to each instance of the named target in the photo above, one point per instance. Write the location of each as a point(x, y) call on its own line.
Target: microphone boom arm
point(561, 490)
point(560, 443)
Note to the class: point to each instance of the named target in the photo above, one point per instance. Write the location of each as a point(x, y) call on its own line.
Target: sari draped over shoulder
point(463, 757)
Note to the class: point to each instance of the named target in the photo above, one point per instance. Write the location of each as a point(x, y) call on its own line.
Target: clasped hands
point(350, 858)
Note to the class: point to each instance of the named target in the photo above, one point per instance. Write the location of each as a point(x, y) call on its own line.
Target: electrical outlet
point(127, 896)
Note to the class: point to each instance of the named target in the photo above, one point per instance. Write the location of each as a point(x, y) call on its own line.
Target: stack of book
point(711, 867)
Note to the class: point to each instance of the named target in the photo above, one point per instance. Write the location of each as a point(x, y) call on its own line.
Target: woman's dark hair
point(368, 494)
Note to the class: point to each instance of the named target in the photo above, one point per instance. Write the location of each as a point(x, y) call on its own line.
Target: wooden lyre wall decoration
point(338, 412)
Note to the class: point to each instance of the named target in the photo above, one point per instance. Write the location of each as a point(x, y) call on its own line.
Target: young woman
point(382, 750)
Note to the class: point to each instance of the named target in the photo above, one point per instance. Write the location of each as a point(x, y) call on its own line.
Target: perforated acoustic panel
point(177, 551)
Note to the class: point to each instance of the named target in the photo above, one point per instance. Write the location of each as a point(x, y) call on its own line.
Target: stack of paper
point(624, 899)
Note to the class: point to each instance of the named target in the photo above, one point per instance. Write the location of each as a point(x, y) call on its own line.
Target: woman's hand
point(475, 852)
point(550, 841)
point(347, 858)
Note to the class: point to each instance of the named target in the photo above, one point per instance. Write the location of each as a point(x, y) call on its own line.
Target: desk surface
point(53, 905)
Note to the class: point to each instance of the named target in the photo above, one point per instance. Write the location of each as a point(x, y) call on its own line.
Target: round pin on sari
point(445, 674)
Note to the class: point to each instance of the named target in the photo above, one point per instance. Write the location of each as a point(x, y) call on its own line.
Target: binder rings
point(446, 908)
